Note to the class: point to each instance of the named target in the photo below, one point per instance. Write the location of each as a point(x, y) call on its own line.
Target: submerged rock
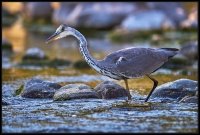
point(37, 88)
point(109, 90)
point(34, 54)
point(143, 21)
point(176, 90)
point(74, 91)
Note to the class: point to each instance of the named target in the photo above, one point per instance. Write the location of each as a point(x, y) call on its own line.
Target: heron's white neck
point(84, 50)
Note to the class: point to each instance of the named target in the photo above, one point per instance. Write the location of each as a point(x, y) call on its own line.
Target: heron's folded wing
point(136, 62)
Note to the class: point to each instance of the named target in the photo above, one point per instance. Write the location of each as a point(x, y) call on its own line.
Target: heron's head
point(62, 31)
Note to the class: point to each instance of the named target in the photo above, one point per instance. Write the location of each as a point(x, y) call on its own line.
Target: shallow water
point(86, 115)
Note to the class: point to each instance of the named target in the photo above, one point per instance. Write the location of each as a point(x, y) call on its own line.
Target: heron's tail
point(170, 51)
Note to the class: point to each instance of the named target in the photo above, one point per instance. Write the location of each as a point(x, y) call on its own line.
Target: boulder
point(34, 54)
point(37, 88)
point(94, 15)
point(109, 90)
point(38, 10)
point(74, 91)
point(174, 10)
point(143, 21)
point(176, 90)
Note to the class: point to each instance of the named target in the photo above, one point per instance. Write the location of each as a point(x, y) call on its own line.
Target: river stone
point(34, 54)
point(176, 90)
point(143, 21)
point(37, 88)
point(109, 90)
point(74, 91)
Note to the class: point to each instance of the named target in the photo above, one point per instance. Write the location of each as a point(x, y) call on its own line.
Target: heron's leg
point(127, 88)
point(155, 83)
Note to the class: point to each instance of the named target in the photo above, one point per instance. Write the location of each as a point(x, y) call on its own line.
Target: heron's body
point(123, 64)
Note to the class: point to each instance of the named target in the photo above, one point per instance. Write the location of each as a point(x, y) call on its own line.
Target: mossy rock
point(81, 65)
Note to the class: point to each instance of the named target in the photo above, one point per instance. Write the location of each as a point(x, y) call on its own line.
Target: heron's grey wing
point(135, 62)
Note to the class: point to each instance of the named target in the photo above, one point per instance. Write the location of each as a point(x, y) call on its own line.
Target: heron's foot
point(129, 98)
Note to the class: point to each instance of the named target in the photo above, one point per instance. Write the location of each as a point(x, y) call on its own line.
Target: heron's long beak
point(52, 37)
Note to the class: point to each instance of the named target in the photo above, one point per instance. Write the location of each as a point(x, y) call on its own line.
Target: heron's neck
point(84, 49)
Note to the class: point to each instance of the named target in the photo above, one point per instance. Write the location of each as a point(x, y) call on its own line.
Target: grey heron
point(123, 64)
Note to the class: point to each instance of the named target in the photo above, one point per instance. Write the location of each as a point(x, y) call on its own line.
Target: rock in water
point(37, 88)
point(34, 54)
point(176, 90)
point(74, 91)
point(109, 90)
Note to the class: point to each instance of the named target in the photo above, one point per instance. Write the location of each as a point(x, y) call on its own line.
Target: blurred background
point(107, 27)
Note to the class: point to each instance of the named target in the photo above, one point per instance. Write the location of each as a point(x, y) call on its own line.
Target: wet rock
point(109, 90)
point(143, 21)
point(188, 99)
point(173, 10)
point(190, 50)
point(91, 15)
point(37, 57)
point(81, 65)
point(37, 88)
point(74, 91)
point(38, 10)
point(34, 54)
point(176, 90)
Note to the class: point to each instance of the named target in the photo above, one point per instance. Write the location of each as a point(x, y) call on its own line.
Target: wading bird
point(123, 64)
